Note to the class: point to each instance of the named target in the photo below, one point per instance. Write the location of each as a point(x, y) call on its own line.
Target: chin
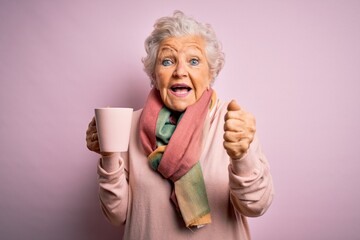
point(179, 105)
point(177, 108)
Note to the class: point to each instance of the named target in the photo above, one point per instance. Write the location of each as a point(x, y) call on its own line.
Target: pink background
point(294, 64)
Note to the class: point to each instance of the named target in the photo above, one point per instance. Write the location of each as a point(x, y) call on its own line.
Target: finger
point(238, 149)
point(233, 106)
point(242, 134)
point(91, 137)
point(235, 115)
point(242, 120)
point(91, 126)
point(233, 136)
point(239, 146)
point(94, 136)
point(234, 111)
point(91, 130)
point(235, 125)
point(94, 146)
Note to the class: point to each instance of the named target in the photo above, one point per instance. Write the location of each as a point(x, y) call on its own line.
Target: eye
point(166, 62)
point(194, 62)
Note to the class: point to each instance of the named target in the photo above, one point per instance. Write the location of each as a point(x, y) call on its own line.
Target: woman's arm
point(113, 187)
point(251, 186)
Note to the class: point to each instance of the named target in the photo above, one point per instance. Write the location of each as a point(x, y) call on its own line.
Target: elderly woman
point(194, 168)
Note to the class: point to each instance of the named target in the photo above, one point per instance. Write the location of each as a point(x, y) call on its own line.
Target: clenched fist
point(239, 130)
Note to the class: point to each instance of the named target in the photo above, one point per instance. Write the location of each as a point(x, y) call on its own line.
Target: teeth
point(180, 89)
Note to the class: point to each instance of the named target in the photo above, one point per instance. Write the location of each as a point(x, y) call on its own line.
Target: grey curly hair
point(177, 26)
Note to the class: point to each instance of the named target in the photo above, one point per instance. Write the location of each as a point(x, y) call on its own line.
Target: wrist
point(244, 166)
point(110, 162)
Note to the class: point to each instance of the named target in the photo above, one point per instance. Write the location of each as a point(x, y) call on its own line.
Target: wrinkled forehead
point(183, 44)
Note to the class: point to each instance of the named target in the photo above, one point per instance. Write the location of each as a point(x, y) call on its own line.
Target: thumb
point(233, 106)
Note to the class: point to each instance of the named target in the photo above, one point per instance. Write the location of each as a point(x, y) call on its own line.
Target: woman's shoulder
point(221, 107)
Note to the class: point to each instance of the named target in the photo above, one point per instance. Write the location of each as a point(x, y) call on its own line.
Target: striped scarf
point(172, 142)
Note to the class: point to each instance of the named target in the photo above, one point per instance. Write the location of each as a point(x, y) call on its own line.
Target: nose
point(180, 69)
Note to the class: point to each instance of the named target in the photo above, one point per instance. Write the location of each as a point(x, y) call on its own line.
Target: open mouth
point(180, 89)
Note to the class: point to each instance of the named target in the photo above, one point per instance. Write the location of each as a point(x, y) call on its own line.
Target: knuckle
point(244, 145)
point(227, 125)
point(233, 149)
point(227, 116)
point(226, 136)
point(88, 145)
point(225, 144)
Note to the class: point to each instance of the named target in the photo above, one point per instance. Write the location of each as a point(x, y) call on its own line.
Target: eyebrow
point(192, 49)
point(166, 52)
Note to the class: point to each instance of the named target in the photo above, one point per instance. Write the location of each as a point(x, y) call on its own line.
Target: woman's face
point(182, 72)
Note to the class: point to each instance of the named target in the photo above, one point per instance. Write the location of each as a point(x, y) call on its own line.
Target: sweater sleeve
point(251, 192)
point(113, 190)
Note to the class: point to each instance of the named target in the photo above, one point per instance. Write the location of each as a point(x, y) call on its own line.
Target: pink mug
point(113, 127)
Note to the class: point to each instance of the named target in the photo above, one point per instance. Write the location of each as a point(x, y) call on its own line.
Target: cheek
point(161, 79)
point(158, 81)
point(203, 83)
point(204, 75)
